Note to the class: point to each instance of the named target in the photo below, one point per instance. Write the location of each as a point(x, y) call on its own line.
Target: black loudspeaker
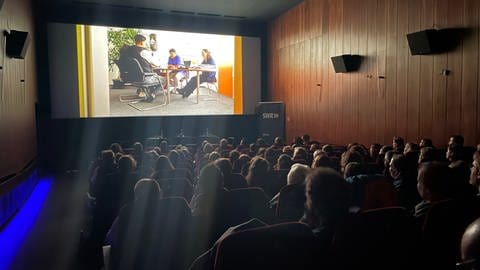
point(17, 44)
point(346, 63)
point(424, 42)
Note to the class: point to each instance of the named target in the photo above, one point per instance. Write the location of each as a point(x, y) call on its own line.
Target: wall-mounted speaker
point(431, 41)
point(424, 42)
point(17, 44)
point(346, 63)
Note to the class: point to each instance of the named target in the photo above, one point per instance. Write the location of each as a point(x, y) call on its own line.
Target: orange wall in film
point(225, 80)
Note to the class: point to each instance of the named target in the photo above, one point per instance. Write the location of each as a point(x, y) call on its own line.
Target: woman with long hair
point(204, 77)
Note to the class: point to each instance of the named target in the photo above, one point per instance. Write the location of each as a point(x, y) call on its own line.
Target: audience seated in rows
point(404, 199)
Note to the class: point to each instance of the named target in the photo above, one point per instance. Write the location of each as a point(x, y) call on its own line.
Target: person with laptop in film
point(144, 57)
point(175, 62)
point(210, 76)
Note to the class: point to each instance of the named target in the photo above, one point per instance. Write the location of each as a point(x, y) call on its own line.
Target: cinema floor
point(209, 104)
point(51, 234)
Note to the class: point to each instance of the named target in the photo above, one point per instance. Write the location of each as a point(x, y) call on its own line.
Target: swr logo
point(270, 115)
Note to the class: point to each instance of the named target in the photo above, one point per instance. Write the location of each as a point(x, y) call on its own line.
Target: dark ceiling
point(251, 10)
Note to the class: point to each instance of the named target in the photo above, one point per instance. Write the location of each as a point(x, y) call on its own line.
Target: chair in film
point(212, 87)
point(149, 83)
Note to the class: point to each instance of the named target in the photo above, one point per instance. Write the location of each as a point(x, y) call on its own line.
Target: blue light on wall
point(13, 235)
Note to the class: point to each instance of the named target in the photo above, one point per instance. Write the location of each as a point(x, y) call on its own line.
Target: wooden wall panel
point(381, 48)
point(402, 70)
point(371, 65)
point(426, 76)
point(353, 114)
point(440, 82)
point(454, 81)
point(393, 93)
point(18, 92)
point(363, 98)
point(470, 72)
point(391, 71)
point(413, 75)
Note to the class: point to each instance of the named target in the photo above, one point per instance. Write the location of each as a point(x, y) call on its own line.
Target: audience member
point(306, 140)
point(314, 147)
point(460, 180)
point(163, 148)
point(350, 156)
point(296, 176)
point(425, 142)
point(253, 150)
point(457, 140)
point(327, 148)
point(300, 155)
point(278, 143)
point(374, 151)
point(381, 155)
point(327, 203)
point(387, 158)
point(470, 247)
point(475, 170)
point(259, 175)
point(322, 160)
point(353, 169)
point(163, 168)
point(240, 163)
point(242, 146)
point(284, 162)
point(410, 147)
point(404, 181)
point(454, 154)
point(234, 155)
point(271, 155)
point(107, 165)
point(398, 144)
point(137, 152)
point(287, 150)
point(433, 186)
point(427, 154)
point(208, 192)
point(116, 148)
point(261, 143)
point(231, 180)
point(318, 153)
point(214, 156)
point(151, 232)
point(223, 146)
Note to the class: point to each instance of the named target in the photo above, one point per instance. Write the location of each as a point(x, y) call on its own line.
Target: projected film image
point(102, 71)
point(170, 73)
point(152, 72)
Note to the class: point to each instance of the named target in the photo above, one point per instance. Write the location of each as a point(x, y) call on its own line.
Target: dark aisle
point(53, 238)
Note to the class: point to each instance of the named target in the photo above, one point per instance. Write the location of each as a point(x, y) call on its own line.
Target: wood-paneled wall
point(413, 100)
point(18, 92)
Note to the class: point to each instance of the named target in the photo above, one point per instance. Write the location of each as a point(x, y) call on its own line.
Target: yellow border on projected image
point(80, 73)
point(238, 77)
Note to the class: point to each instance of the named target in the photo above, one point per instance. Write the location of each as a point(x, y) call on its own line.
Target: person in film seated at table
point(206, 76)
point(174, 62)
point(144, 57)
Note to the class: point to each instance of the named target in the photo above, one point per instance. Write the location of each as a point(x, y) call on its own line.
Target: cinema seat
point(281, 246)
